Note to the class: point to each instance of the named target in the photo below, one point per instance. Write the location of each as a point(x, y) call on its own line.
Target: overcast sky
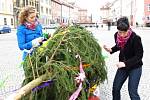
point(93, 6)
point(89, 4)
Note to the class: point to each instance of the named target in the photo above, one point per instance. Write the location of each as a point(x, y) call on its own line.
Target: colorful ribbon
point(79, 79)
point(45, 84)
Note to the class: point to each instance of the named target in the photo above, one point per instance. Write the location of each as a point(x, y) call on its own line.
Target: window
point(18, 3)
point(26, 2)
point(50, 11)
point(46, 10)
point(3, 6)
point(23, 3)
point(148, 7)
point(46, 1)
point(37, 6)
point(148, 18)
point(12, 21)
point(42, 9)
point(46, 21)
point(10, 8)
point(5, 21)
point(32, 3)
point(49, 2)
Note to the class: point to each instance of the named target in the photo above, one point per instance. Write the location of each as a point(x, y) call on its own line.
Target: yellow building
point(19, 4)
point(6, 13)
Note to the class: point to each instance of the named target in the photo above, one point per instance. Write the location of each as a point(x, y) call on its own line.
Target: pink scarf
point(121, 41)
point(31, 26)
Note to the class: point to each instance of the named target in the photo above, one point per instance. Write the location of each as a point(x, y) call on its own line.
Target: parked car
point(5, 29)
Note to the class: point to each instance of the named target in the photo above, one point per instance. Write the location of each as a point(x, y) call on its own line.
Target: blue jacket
point(25, 37)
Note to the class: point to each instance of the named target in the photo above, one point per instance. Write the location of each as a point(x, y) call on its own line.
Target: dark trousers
point(133, 82)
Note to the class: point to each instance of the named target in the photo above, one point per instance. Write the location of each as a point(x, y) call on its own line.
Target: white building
point(19, 4)
point(6, 13)
point(133, 9)
point(139, 12)
point(74, 15)
point(67, 11)
point(73, 11)
point(105, 12)
point(116, 10)
point(45, 12)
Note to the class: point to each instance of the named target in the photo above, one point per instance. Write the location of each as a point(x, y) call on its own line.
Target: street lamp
point(15, 13)
point(131, 16)
point(121, 8)
point(61, 14)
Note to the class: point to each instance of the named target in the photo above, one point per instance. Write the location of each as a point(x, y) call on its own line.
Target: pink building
point(61, 11)
point(56, 10)
point(105, 10)
point(83, 17)
point(147, 12)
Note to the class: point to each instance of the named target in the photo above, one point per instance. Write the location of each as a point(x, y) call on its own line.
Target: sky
point(93, 6)
point(89, 4)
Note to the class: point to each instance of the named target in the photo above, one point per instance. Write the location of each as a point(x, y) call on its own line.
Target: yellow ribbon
point(93, 88)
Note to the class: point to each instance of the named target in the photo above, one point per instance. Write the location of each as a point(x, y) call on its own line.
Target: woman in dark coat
point(130, 59)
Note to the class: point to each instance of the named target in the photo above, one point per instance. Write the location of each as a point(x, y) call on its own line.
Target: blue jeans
point(133, 82)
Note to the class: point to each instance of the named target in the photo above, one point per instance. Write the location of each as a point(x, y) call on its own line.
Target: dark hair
point(123, 24)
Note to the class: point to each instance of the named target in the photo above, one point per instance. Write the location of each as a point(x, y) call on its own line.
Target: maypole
point(51, 70)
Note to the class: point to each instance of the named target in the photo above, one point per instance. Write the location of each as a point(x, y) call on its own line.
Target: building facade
point(62, 11)
point(74, 14)
point(67, 9)
point(83, 15)
point(56, 11)
point(49, 11)
point(19, 4)
point(6, 13)
point(118, 8)
point(105, 13)
point(45, 13)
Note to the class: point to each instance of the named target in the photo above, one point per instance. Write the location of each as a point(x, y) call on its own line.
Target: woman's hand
point(107, 49)
point(37, 42)
point(120, 64)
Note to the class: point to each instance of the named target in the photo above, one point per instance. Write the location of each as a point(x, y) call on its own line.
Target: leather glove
point(37, 42)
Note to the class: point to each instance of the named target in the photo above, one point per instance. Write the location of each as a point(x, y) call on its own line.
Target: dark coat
point(132, 53)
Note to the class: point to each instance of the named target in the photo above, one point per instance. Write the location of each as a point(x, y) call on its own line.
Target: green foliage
point(57, 58)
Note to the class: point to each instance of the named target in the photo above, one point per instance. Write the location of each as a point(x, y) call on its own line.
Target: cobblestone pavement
point(11, 72)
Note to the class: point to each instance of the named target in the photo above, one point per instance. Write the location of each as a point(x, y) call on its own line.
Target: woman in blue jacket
point(29, 32)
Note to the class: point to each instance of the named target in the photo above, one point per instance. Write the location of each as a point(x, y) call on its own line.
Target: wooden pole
point(27, 88)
